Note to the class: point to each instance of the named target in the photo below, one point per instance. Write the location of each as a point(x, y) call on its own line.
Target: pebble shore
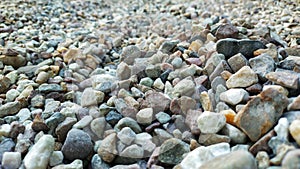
point(149, 84)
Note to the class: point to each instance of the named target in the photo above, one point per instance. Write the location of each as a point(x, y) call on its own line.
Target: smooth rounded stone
point(261, 113)
point(191, 120)
point(15, 61)
point(230, 47)
point(291, 159)
point(108, 148)
point(234, 96)
point(40, 153)
point(243, 78)
point(56, 158)
point(146, 81)
point(128, 122)
point(163, 117)
point(42, 77)
point(145, 116)
point(98, 163)
point(133, 151)
point(63, 128)
point(219, 149)
point(235, 159)
point(5, 130)
point(11, 160)
point(237, 61)
point(10, 108)
point(172, 150)
point(153, 71)
point(46, 88)
point(157, 101)
point(98, 126)
point(126, 135)
point(262, 65)
point(136, 92)
point(130, 53)
point(227, 30)
point(78, 145)
point(145, 140)
point(210, 122)
point(76, 164)
point(286, 78)
point(196, 158)
point(23, 115)
point(12, 94)
point(113, 117)
point(279, 88)
point(236, 136)
point(91, 97)
point(177, 62)
point(294, 129)
point(38, 101)
point(185, 87)
point(158, 84)
point(123, 71)
point(206, 101)
point(210, 139)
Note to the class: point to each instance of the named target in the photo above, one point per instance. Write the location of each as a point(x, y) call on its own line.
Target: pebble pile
point(149, 84)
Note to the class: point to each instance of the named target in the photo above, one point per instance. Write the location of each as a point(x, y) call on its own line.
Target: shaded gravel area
point(149, 84)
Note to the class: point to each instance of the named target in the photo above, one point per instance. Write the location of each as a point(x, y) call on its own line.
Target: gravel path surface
point(149, 84)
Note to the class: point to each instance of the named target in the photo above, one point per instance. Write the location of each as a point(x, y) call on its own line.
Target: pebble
point(185, 87)
point(295, 130)
point(97, 162)
point(46, 88)
point(63, 128)
point(269, 104)
point(191, 120)
point(10, 108)
point(76, 164)
point(123, 71)
point(243, 78)
point(196, 158)
point(108, 148)
point(145, 116)
point(91, 97)
point(42, 151)
point(11, 160)
point(210, 122)
point(227, 30)
point(126, 136)
point(211, 138)
point(78, 145)
point(291, 159)
point(128, 122)
point(56, 158)
point(98, 126)
point(262, 65)
point(286, 78)
point(236, 136)
point(133, 151)
point(130, 53)
point(237, 61)
point(234, 96)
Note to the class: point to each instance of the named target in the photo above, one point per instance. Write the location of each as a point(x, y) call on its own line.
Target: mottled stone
point(191, 120)
point(4, 83)
point(163, 117)
point(126, 135)
point(196, 158)
point(10, 108)
point(234, 96)
point(46, 88)
point(211, 138)
point(185, 87)
point(243, 78)
point(262, 144)
point(262, 159)
point(76, 164)
point(98, 163)
point(295, 104)
point(98, 126)
point(128, 122)
point(285, 78)
point(56, 158)
point(91, 97)
point(133, 151)
point(221, 67)
point(294, 129)
point(108, 148)
point(145, 116)
point(157, 101)
point(130, 53)
point(15, 61)
point(237, 61)
point(210, 122)
point(123, 71)
point(227, 30)
point(291, 159)
point(63, 128)
point(172, 150)
point(262, 65)
point(205, 101)
point(236, 136)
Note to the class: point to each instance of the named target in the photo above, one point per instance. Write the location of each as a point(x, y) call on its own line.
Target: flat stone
point(211, 139)
point(191, 120)
point(269, 104)
point(63, 128)
point(145, 141)
point(85, 121)
point(126, 135)
point(236, 136)
point(172, 150)
point(133, 151)
point(294, 129)
point(145, 116)
point(234, 96)
point(163, 117)
point(279, 88)
point(229, 47)
point(262, 65)
point(210, 122)
point(206, 101)
point(98, 126)
point(262, 144)
point(4, 83)
point(161, 135)
point(243, 78)
point(286, 78)
point(221, 67)
point(290, 62)
point(184, 87)
point(237, 61)
point(76, 164)
point(11, 160)
point(42, 151)
point(108, 148)
point(78, 145)
point(235, 159)
point(6, 145)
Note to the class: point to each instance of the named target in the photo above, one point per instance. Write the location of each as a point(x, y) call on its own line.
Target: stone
point(262, 65)
point(71, 54)
point(126, 135)
point(235, 159)
point(113, 117)
point(234, 96)
point(237, 61)
point(128, 122)
point(98, 163)
point(269, 104)
point(133, 151)
point(210, 122)
point(290, 62)
point(172, 150)
point(205, 101)
point(4, 83)
point(185, 87)
point(163, 117)
point(279, 88)
point(153, 71)
point(236, 136)
point(91, 97)
point(161, 136)
point(230, 47)
point(243, 78)
point(291, 159)
point(158, 84)
point(221, 67)
point(11, 160)
point(6, 145)
point(146, 81)
point(145, 116)
point(42, 77)
point(295, 104)
point(76, 164)
point(196, 158)
point(286, 78)
point(78, 145)
point(168, 46)
point(47, 88)
point(145, 141)
point(123, 71)
point(23, 115)
point(40, 153)
point(12, 94)
point(15, 61)
point(191, 120)
point(130, 53)
point(56, 158)
point(210, 139)
point(10, 108)
point(227, 30)
point(157, 101)
point(63, 128)
point(108, 148)
point(294, 129)
point(38, 101)
point(98, 126)
point(262, 159)
point(130, 166)
point(177, 62)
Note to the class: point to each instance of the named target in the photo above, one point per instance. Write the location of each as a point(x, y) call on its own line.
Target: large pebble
point(291, 159)
point(108, 148)
point(262, 65)
point(10, 108)
point(133, 151)
point(243, 78)
point(234, 96)
point(78, 145)
point(126, 135)
point(11, 160)
point(294, 129)
point(185, 87)
point(286, 78)
point(91, 97)
point(145, 116)
point(210, 122)
point(236, 136)
point(40, 153)
point(130, 53)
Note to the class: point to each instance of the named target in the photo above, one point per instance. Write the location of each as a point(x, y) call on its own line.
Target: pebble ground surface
point(149, 84)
